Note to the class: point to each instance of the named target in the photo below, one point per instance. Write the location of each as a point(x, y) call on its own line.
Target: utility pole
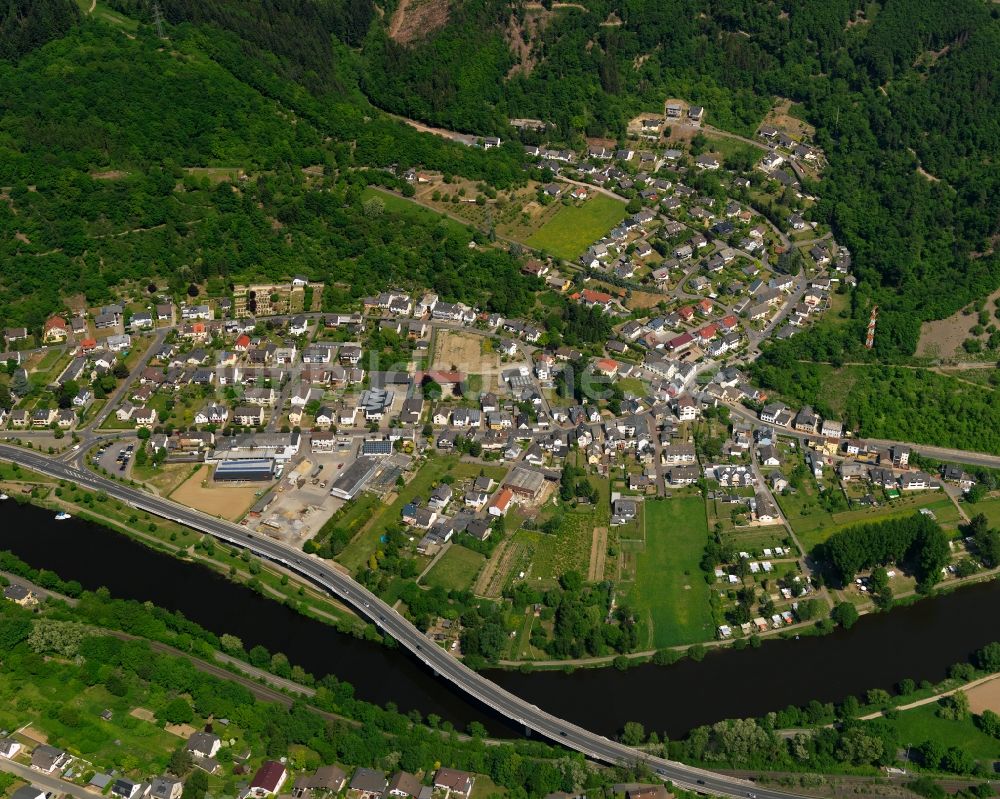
point(872, 320)
point(158, 20)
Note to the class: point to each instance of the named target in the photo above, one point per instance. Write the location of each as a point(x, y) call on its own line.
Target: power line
point(158, 20)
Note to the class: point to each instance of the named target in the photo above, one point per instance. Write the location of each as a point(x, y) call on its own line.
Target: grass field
point(574, 228)
point(819, 525)
point(990, 508)
point(921, 724)
point(456, 570)
point(670, 593)
point(409, 209)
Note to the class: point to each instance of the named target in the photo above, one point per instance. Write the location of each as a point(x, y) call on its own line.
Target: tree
point(196, 785)
point(633, 734)
point(176, 711)
point(989, 722)
point(844, 614)
point(180, 762)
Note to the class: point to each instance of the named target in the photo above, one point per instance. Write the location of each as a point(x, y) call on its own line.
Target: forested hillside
point(27, 24)
point(118, 159)
point(903, 95)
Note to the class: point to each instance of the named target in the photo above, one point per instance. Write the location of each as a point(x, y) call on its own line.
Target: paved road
point(370, 606)
point(44, 781)
point(940, 453)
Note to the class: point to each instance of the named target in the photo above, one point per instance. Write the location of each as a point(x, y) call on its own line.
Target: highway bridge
point(445, 666)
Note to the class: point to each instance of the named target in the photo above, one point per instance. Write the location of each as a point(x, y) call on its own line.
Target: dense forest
point(128, 171)
point(889, 402)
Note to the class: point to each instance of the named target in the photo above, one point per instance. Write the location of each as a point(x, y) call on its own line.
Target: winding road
point(391, 623)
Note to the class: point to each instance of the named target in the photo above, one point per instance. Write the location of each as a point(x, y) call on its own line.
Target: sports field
point(574, 228)
point(670, 594)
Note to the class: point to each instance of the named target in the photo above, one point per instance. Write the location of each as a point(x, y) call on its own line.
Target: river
point(919, 641)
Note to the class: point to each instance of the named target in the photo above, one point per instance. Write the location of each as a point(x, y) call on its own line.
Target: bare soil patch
point(985, 696)
point(464, 352)
point(35, 735)
point(184, 731)
point(143, 714)
point(645, 299)
point(416, 19)
point(111, 174)
point(598, 554)
point(943, 338)
point(780, 117)
point(228, 501)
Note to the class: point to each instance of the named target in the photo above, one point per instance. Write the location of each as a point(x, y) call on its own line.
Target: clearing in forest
point(416, 19)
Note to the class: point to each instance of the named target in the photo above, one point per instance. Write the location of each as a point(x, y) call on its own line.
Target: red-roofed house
point(728, 323)
point(88, 345)
point(686, 313)
point(705, 307)
point(500, 503)
point(591, 297)
point(683, 341)
point(708, 332)
point(55, 329)
point(242, 344)
point(606, 366)
point(268, 780)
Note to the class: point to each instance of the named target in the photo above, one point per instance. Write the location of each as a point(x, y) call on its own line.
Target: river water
point(919, 641)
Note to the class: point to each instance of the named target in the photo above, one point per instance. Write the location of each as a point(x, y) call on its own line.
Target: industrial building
point(526, 483)
point(355, 477)
point(244, 470)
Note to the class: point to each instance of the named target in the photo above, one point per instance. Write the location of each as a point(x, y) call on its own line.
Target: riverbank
point(878, 651)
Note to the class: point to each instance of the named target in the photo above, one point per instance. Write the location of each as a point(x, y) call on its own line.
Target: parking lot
point(115, 457)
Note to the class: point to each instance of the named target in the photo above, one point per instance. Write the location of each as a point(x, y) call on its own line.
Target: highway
point(390, 622)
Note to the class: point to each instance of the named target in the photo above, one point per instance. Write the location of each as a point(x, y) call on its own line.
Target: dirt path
point(929, 699)
point(490, 580)
point(396, 23)
point(598, 554)
point(93, 5)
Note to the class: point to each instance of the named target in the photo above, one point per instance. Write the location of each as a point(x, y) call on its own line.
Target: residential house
point(55, 330)
point(165, 788)
point(900, 455)
point(203, 745)
point(9, 747)
point(48, 759)
point(454, 782)
point(268, 780)
point(327, 779)
point(404, 784)
point(368, 783)
point(248, 416)
point(126, 789)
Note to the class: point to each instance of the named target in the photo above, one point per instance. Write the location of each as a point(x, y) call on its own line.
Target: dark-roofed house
point(454, 781)
point(28, 792)
point(268, 779)
point(368, 783)
point(326, 778)
point(9, 747)
point(165, 788)
point(404, 784)
point(203, 744)
point(126, 789)
point(48, 759)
